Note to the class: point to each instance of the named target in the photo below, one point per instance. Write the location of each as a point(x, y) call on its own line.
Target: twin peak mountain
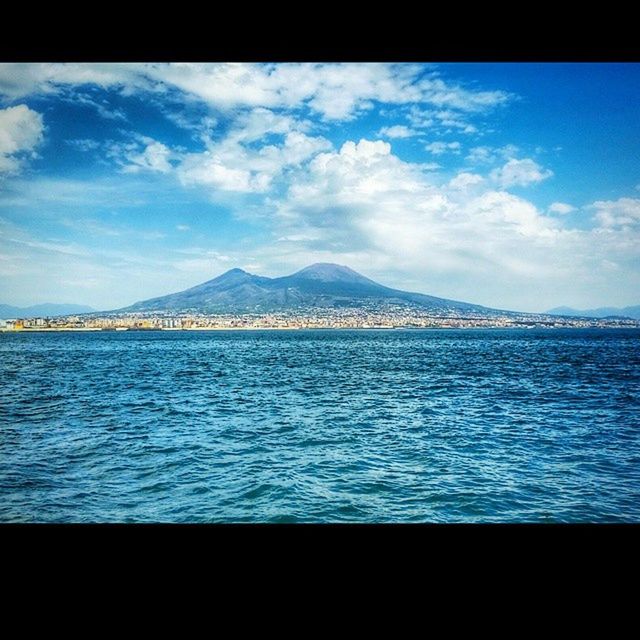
point(319, 285)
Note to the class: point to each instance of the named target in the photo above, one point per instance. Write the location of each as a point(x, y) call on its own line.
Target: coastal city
point(388, 317)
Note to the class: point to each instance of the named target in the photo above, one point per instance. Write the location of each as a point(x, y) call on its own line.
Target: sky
point(511, 185)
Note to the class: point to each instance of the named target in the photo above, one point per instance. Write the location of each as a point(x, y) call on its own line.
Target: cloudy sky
point(509, 185)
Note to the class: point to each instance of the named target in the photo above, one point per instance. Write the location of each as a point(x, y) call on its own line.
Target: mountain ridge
point(318, 285)
point(632, 311)
point(45, 309)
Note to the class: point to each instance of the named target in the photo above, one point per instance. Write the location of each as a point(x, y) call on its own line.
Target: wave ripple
point(321, 426)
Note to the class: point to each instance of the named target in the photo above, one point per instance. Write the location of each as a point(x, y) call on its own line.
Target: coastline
point(399, 328)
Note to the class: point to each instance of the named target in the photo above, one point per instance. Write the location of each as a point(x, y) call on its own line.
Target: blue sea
point(326, 426)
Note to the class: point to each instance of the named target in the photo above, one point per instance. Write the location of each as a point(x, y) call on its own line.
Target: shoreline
point(201, 329)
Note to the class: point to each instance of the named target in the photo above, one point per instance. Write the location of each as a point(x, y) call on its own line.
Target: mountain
point(45, 310)
point(319, 285)
point(600, 312)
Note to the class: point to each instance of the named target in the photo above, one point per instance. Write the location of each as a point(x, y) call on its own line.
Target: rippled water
point(320, 426)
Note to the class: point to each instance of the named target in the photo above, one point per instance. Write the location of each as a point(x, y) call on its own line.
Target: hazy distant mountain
point(600, 312)
point(320, 285)
point(46, 309)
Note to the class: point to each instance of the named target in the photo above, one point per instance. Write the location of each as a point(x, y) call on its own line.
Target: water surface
point(321, 426)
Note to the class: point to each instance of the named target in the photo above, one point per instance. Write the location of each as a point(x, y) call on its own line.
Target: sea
point(321, 426)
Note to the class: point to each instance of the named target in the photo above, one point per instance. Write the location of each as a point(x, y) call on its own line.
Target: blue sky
point(509, 185)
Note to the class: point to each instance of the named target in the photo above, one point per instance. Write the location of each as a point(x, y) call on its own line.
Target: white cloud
point(8, 165)
point(561, 207)
point(101, 106)
point(444, 120)
point(208, 169)
point(480, 155)
point(451, 119)
point(369, 195)
point(441, 94)
point(297, 148)
point(358, 170)
point(183, 227)
point(335, 91)
point(18, 80)
point(464, 180)
point(512, 213)
point(337, 197)
point(21, 131)
point(438, 148)
point(254, 124)
point(154, 157)
point(83, 144)
point(365, 149)
point(488, 155)
point(233, 164)
point(396, 131)
point(520, 173)
point(624, 212)
point(64, 248)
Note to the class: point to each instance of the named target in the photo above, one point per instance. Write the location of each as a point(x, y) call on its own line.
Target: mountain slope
point(46, 309)
point(600, 312)
point(326, 284)
point(319, 285)
point(233, 288)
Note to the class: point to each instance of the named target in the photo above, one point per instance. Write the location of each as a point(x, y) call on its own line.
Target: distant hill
point(46, 309)
point(319, 285)
point(600, 312)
